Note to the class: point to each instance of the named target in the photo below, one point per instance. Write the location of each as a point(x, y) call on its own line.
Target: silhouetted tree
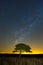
point(22, 47)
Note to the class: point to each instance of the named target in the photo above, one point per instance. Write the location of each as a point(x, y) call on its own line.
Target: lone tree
point(21, 48)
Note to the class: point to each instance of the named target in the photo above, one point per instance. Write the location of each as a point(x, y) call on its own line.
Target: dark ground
point(12, 59)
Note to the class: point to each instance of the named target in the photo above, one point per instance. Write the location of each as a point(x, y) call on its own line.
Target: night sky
point(21, 21)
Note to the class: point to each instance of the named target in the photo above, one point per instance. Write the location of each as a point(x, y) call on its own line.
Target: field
point(12, 59)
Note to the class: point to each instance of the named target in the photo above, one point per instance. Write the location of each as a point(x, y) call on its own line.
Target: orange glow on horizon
point(33, 52)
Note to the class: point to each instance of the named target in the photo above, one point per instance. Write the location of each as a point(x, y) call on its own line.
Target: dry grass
point(23, 61)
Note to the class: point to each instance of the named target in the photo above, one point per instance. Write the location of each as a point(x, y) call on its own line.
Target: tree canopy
point(22, 47)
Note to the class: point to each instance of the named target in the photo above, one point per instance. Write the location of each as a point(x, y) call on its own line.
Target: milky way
point(21, 21)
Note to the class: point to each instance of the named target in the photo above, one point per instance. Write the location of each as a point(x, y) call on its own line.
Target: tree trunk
point(19, 57)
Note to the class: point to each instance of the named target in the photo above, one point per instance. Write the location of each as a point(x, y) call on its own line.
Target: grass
point(11, 59)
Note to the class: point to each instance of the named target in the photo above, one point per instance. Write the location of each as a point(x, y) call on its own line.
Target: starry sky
point(21, 21)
